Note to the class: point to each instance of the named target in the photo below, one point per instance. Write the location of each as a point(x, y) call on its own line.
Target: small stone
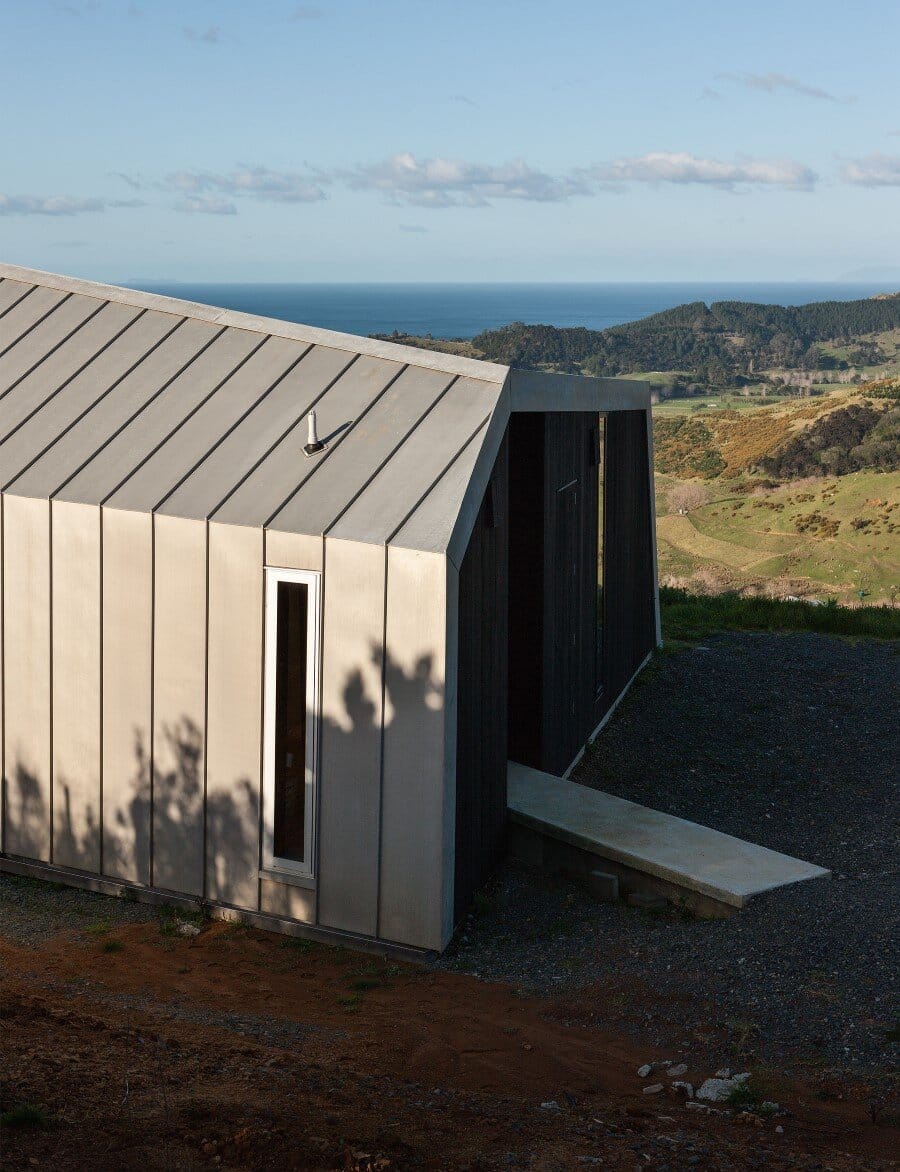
point(550, 1105)
point(723, 1073)
point(186, 929)
point(779, 1130)
point(678, 1071)
point(683, 1088)
point(646, 1070)
point(653, 1089)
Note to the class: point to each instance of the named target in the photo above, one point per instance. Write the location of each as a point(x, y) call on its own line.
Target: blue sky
point(451, 140)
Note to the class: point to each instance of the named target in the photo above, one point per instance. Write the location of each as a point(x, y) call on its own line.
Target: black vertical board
point(629, 633)
point(482, 706)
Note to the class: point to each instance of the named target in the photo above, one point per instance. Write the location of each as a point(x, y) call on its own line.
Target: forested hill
point(717, 340)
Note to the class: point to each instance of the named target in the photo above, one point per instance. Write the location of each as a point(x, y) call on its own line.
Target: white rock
point(684, 1088)
point(779, 1129)
point(551, 1105)
point(645, 1071)
point(716, 1090)
point(186, 929)
point(653, 1089)
point(723, 1073)
point(677, 1071)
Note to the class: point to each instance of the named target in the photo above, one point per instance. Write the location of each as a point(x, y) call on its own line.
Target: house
point(286, 677)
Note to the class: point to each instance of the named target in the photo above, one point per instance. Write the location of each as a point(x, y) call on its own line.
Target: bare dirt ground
point(237, 1049)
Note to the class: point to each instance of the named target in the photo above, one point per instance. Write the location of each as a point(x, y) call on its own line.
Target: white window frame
point(313, 582)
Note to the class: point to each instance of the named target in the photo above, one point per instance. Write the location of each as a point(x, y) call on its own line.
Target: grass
point(688, 617)
point(111, 945)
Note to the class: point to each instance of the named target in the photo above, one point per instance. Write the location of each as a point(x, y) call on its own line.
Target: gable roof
point(130, 400)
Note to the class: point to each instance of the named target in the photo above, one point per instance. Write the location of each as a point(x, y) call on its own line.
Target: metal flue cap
point(313, 443)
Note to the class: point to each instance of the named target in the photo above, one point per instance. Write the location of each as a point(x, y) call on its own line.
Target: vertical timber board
point(76, 686)
point(26, 624)
point(414, 846)
point(179, 703)
point(351, 735)
point(127, 693)
point(234, 730)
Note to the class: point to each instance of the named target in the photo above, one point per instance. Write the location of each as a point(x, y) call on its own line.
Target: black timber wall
point(629, 619)
point(558, 690)
point(482, 692)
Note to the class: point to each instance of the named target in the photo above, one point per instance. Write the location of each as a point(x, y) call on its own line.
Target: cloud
point(252, 182)
point(60, 205)
point(209, 205)
point(443, 183)
point(710, 95)
point(307, 12)
point(464, 100)
point(876, 170)
point(683, 168)
point(211, 35)
point(771, 83)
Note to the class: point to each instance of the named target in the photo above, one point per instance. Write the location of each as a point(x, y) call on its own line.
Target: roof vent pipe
point(313, 443)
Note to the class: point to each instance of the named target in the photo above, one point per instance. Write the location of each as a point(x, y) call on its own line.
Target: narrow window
point(601, 517)
point(290, 724)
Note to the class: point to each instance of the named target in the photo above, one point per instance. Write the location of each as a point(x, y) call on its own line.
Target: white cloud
point(307, 12)
point(253, 182)
point(875, 170)
point(684, 168)
point(60, 205)
point(442, 183)
point(210, 205)
point(771, 83)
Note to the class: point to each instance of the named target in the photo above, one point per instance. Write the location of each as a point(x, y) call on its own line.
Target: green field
point(722, 524)
point(833, 537)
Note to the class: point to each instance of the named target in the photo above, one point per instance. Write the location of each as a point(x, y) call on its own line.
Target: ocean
point(463, 310)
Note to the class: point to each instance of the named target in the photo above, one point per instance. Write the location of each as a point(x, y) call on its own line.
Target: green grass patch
point(689, 617)
point(111, 945)
point(24, 1115)
point(298, 944)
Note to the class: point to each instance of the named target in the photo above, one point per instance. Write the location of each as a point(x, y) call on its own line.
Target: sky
point(449, 140)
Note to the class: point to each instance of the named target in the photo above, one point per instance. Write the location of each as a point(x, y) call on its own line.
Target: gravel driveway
point(786, 740)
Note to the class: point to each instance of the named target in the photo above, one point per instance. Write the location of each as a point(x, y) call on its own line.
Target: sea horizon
point(463, 309)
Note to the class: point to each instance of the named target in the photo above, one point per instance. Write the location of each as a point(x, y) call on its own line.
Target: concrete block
point(603, 886)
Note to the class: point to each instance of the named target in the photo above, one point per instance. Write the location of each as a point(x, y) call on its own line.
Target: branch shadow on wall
point(221, 855)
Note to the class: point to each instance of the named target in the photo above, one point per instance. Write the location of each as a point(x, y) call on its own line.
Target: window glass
point(290, 722)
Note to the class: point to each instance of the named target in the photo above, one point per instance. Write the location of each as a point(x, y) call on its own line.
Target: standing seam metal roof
point(136, 401)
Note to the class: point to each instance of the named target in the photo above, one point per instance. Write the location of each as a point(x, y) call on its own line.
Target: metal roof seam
point(282, 437)
point(229, 431)
point(18, 300)
point(162, 443)
point(34, 325)
point(49, 353)
point(143, 407)
point(62, 386)
point(479, 369)
point(393, 452)
point(46, 448)
point(333, 447)
point(440, 476)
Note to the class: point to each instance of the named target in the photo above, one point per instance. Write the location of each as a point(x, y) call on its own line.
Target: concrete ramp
point(639, 842)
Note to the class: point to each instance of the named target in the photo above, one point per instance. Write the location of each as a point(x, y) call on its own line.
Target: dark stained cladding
point(529, 607)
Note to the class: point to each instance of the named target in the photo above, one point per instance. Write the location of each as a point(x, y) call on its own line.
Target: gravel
point(33, 912)
point(785, 740)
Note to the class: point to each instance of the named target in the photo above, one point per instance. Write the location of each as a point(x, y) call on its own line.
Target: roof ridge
point(410, 355)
